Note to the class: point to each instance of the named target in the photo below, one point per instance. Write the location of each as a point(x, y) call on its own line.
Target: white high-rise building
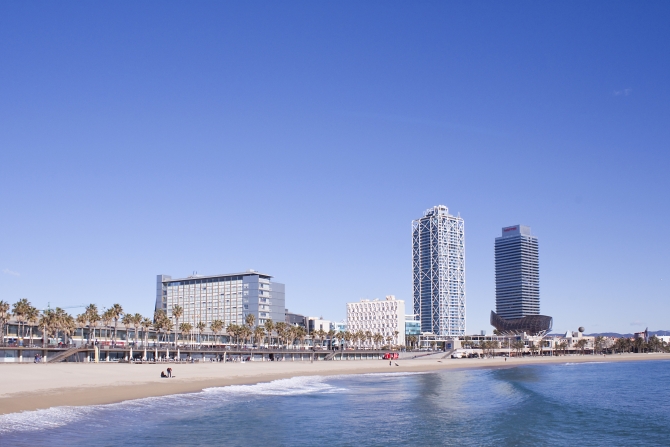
point(438, 272)
point(385, 317)
point(229, 298)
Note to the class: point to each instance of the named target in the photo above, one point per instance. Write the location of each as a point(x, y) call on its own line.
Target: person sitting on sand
point(163, 375)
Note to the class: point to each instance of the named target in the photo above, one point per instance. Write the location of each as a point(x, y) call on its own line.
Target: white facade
point(383, 317)
point(438, 272)
point(317, 323)
point(229, 298)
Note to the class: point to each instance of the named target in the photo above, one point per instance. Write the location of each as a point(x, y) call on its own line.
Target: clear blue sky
point(301, 139)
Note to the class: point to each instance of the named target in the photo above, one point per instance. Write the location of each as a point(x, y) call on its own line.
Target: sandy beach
point(35, 386)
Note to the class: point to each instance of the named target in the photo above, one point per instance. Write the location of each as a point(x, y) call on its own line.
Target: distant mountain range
point(617, 335)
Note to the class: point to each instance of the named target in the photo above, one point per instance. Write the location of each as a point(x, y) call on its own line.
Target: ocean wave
point(55, 417)
point(583, 363)
point(281, 387)
point(42, 419)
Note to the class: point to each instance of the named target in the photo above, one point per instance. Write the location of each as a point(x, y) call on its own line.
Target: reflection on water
point(582, 404)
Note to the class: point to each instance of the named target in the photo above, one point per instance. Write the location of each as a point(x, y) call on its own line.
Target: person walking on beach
point(169, 371)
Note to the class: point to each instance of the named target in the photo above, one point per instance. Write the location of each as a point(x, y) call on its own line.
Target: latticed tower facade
point(438, 272)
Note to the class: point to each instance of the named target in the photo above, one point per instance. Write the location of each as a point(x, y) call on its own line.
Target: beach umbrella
point(167, 353)
point(144, 357)
point(156, 355)
point(130, 358)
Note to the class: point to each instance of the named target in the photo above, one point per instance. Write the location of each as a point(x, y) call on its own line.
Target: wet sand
point(35, 386)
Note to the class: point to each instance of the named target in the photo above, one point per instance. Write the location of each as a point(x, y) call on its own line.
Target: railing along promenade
point(161, 352)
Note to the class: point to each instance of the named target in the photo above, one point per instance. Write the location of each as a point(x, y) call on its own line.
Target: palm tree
point(269, 327)
point(4, 316)
point(340, 336)
point(167, 328)
point(68, 326)
point(367, 338)
point(45, 323)
point(93, 317)
point(146, 324)
point(32, 317)
point(581, 344)
point(80, 321)
point(360, 335)
point(598, 343)
point(216, 327)
point(259, 334)
point(347, 337)
point(302, 335)
point(518, 346)
point(201, 328)
point(177, 312)
point(107, 317)
point(533, 348)
point(232, 331)
point(249, 320)
point(280, 328)
point(186, 329)
point(115, 311)
point(378, 338)
point(127, 321)
point(137, 321)
point(19, 310)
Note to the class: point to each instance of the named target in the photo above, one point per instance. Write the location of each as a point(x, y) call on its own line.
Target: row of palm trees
point(59, 324)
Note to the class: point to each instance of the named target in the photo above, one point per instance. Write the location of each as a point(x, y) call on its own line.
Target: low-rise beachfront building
point(293, 319)
point(317, 324)
point(229, 298)
point(385, 317)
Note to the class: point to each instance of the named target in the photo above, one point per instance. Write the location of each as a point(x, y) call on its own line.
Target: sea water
point(582, 404)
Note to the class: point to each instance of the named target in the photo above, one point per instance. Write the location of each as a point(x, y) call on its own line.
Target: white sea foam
point(60, 416)
point(41, 419)
point(583, 363)
point(282, 387)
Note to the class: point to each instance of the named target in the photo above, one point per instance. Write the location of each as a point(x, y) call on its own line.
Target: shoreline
point(29, 387)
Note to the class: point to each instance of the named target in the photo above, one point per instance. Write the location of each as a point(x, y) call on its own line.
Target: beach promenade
point(36, 386)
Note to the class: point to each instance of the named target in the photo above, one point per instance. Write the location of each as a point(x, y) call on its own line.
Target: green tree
point(280, 328)
point(186, 329)
point(581, 344)
point(201, 326)
point(146, 325)
point(20, 309)
point(216, 327)
point(259, 334)
point(127, 322)
point(249, 320)
point(116, 312)
point(177, 312)
point(107, 317)
point(269, 327)
point(4, 317)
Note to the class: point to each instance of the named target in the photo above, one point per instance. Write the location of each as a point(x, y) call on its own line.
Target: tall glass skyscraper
point(517, 273)
point(438, 264)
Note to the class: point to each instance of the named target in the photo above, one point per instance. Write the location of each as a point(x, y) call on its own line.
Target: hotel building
point(379, 317)
point(438, 272)
point(517, 273)
point(229, 298)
